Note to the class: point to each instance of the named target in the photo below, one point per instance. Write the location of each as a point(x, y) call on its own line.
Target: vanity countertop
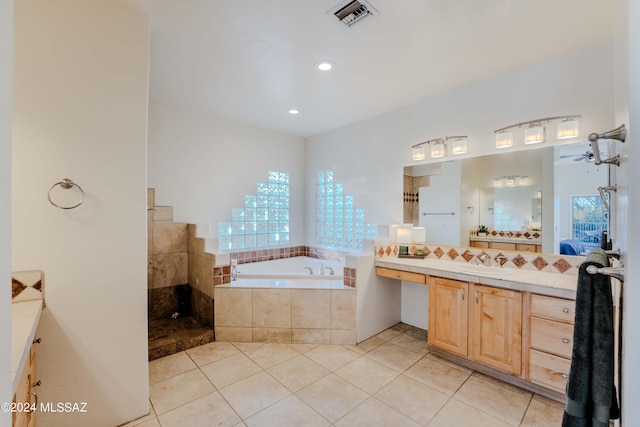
point(25, 317)
point(551, 284)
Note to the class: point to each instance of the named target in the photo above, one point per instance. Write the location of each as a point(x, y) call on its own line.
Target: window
point(338, 223)
point(589, 220)
point(264, 219)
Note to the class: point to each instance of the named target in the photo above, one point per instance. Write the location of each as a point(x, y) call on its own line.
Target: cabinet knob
point(37, 341)
point(565, 376)
point(566, 310)
point(37, 384)
point(565, 340)
point(397, 274)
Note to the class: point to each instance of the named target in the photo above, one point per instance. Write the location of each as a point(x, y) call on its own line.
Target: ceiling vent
point(354, 11)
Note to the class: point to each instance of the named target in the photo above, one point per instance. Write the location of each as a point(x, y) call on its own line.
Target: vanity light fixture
point(568, 128)
point(511, 181)
point(504, 139)
point(535, 133)
point(459, 145)
point(438, 149)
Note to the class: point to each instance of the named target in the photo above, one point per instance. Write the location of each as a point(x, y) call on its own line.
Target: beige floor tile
point(415, 343)
point(206, 411)
point(211, 352)
point(251, 395)
point(332, 357)
point(437, 375)
point(458, 414)
point(178, 390)
point(303, 348)
point(543, 413)
point(245, 346)
point(493, 399)
point(153, 422)
point(388, 334)
point(374, 413)
point(291, 412)
point(332, 397)
point(400, 327)
point(230, 370)
point(393, 356)
point(367, 345)
point(412, 398)
point(509, 387)
point(169, 366)
point(449, 363)
point(297, 372)
point(271, 354)
point(366, 374)
point(138, 421)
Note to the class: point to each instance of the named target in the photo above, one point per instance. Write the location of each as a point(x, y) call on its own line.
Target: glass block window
point(264, 219)
point(338, 223)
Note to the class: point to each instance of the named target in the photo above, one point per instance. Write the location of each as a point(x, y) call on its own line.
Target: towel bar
point(617, 272)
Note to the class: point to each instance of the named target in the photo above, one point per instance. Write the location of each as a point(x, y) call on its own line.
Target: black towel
point(591, 394)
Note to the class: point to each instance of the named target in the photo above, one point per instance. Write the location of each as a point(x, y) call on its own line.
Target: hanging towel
point(591, 395)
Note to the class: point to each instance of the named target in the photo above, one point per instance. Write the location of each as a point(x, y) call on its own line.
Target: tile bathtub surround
point(27, 285)
point(563, 264)
point(302, 316)
point(376, 382)
point(349, 275)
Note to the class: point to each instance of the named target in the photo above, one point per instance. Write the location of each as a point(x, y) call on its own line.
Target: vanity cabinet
point(401, 275)
point(550, 341)
point(26, 394)
point(477, 322)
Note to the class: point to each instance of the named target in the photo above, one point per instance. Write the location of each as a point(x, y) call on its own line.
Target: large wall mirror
point(549, 190)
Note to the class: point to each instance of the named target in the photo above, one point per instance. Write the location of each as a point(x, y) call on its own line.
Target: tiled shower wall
point(168, 266)
point(410, 197)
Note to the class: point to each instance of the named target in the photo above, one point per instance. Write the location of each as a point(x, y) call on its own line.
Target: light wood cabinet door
point(497, 328)
point(448, 315)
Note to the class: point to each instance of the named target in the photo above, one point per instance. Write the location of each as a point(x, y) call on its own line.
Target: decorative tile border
point(245, 257)
point(563, 264)
point(27, 285)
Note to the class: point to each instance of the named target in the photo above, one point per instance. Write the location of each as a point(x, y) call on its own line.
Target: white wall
point(80, 112)
point(369, 156)
point(627, 73)
point(204, 165)
point(6, 81)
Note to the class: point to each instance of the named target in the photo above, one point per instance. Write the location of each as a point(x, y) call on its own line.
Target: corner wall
point(204, 165)
point(80, 112)
point(6, 81)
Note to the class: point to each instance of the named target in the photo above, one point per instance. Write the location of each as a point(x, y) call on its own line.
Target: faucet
point(322, 269)
point(484, 259)
point(310, 270)
point(331, 272)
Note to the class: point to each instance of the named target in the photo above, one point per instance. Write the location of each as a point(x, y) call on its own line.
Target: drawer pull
point(462, 294)
point(37, 384)
point(566, 310)
point(565, 376)
point(565, 341)
point(397, 274)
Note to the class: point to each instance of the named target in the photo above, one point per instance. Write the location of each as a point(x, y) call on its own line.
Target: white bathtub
point(304, 268)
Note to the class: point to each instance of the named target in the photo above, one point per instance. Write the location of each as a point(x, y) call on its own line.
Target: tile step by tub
point(169, 336)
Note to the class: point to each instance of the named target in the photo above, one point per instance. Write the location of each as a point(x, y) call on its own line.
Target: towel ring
point(66, 183)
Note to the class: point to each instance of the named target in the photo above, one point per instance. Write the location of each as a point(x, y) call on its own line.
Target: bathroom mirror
point(532, 189)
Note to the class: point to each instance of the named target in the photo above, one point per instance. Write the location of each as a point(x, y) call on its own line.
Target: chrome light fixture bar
point(439, 147)
point(535, 133)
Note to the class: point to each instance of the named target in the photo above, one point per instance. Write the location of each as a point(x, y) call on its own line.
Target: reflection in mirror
point(528, 197)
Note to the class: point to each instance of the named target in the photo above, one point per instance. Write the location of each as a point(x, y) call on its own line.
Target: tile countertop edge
point(25, 317)
point(550, 284)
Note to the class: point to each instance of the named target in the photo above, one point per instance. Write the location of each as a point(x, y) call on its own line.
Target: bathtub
point(304, 268)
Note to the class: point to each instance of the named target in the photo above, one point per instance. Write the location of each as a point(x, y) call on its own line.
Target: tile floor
point(388, 380)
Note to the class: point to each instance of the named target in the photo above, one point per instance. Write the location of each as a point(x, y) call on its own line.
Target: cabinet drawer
point(477, 244)
point(503, 246)
point(526, 247)
point(553, 308)
point(401, 275)
point(552, 337)
point(548, 370)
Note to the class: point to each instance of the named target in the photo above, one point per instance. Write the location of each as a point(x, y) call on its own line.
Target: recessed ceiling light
point(293, 111)
point(324, 65)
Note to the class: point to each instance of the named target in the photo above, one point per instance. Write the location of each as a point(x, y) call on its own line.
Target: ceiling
point(253, 60)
